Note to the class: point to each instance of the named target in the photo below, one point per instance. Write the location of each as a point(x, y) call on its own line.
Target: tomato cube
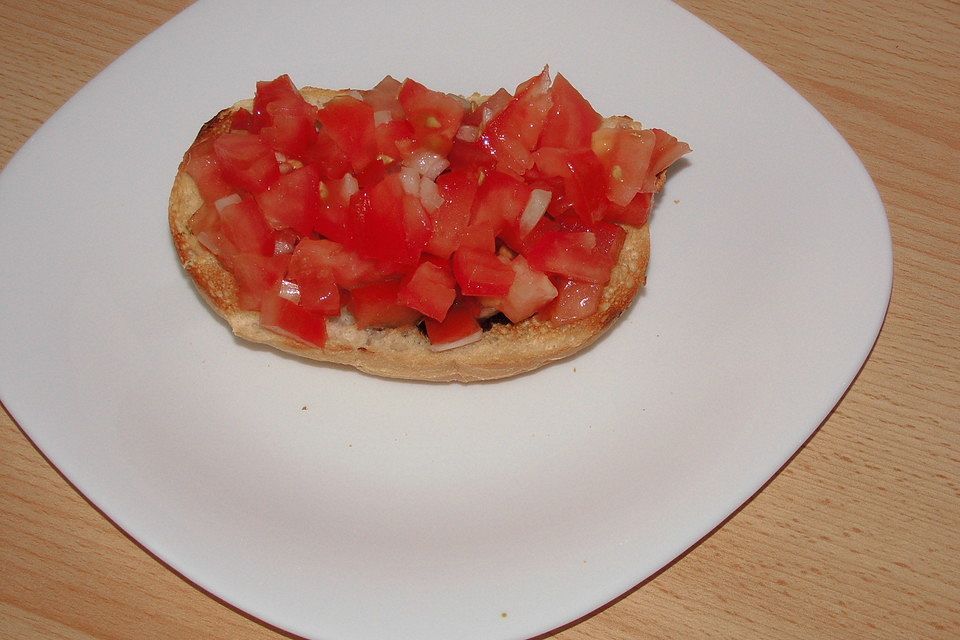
point(571, 119)
point(435, 116)
point(244, 227)
point(246, 161)
point(500, 200)
point(481, 273)
point(293, 201)
point(459, 327)
point(376, 305)
point(458, 189)
point(431, 289)
point(350, 124)
point(530, 291)
point(292, 320)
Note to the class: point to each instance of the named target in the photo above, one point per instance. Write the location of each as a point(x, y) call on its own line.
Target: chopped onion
point(379, 117)
point(446, 346)
point(279, 156)
point(468, 133)
point(427, 163)
point(285, 243)
point(226, 201)
point(429, 194)
point(355, 94)
point(410, 180)
point(349, 186)
point(289, 291)
point(536, 207)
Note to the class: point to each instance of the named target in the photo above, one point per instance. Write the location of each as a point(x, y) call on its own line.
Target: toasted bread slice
point(504, 350)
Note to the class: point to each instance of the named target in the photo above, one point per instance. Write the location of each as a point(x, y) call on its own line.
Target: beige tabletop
point(856, 538)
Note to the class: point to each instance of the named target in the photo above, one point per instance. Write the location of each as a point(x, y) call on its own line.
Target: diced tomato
point(481, 273)
point(395, 139)
point(625, 156)
point(667, 150)
point(500, 201)
point(293, 200)
point(514, 132)
point(575, 301)
point(487, 110)
point(292, 320)
point(586, 186)
point(570, 254)
point(244, 227)
point(609, 237)
point(330, 160)
point(350, 124)
point(571, 119)
point(246, 161)
point(376, 305)
point(349, 269)
point(478, 236)
point(530, 291)
point(435, 116)
point(520, 243)
point(202, 165)
point(459, 325)
point(256, 276)
point(431, 289)
point(282, 117)
point(384, 97)
point(319, 292)
point(205, 225)
point(635, 213)
point(387, 224)
point(243, 120)
point(458, 189)
point(473, 156)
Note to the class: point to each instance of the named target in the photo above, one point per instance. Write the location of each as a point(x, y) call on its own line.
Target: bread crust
point(504, 350)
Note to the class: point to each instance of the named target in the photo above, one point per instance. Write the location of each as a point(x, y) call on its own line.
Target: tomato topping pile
point(405, 205)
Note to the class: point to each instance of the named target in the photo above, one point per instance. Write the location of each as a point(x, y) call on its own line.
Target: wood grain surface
point(855, 538)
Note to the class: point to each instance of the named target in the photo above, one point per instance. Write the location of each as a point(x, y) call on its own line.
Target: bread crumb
point(676, 202)
point(503, 614)
point(303, 408)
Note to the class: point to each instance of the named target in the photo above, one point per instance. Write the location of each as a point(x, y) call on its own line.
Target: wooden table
point(856, 538)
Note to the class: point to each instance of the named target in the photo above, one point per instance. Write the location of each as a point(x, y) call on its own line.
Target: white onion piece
point(279, 156)
point(486, 115)
point(429, 195)
point(379, 117)
point(536, 207)
point(349, 186)
point(468, 133)
point(427, 163)
point(446, 346)
point(290, 291)
point(355, 94)
point(410, 180)
point(283, 246)
point(226, 201)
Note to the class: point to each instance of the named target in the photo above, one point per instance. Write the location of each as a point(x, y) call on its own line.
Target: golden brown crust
point(505, 350)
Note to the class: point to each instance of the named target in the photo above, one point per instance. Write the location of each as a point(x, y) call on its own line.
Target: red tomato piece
point(244, 227)
point(487, 110)
point(246, 161)
point(349, 269)
point(384, 97)
point(570, 254)
point(292, 320)
point(350, 124)
point(269, 91)
point(459, 326)
point(625, 156)
point(256, 276)
point(530, 291)
point(574, 301)
point(514, 132)
point(329, 159)
point(243, 120)
point(430, 289)
point(458, 189)
point(473, 156)
point(376, 305)
point(202, 165)
point(293, 200)
point(571, 119)
point(395, 139)
point(500, 201)
point(481, 273)
point(282, 117)
point(386, 224)
point(205, 225)
point(318, 292)
point(636, 213)
point(667, 150)
point(435, 116)
point(478, 236)
point(586, 185)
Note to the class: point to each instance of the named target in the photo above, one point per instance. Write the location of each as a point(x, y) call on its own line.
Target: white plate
point(338, 505)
